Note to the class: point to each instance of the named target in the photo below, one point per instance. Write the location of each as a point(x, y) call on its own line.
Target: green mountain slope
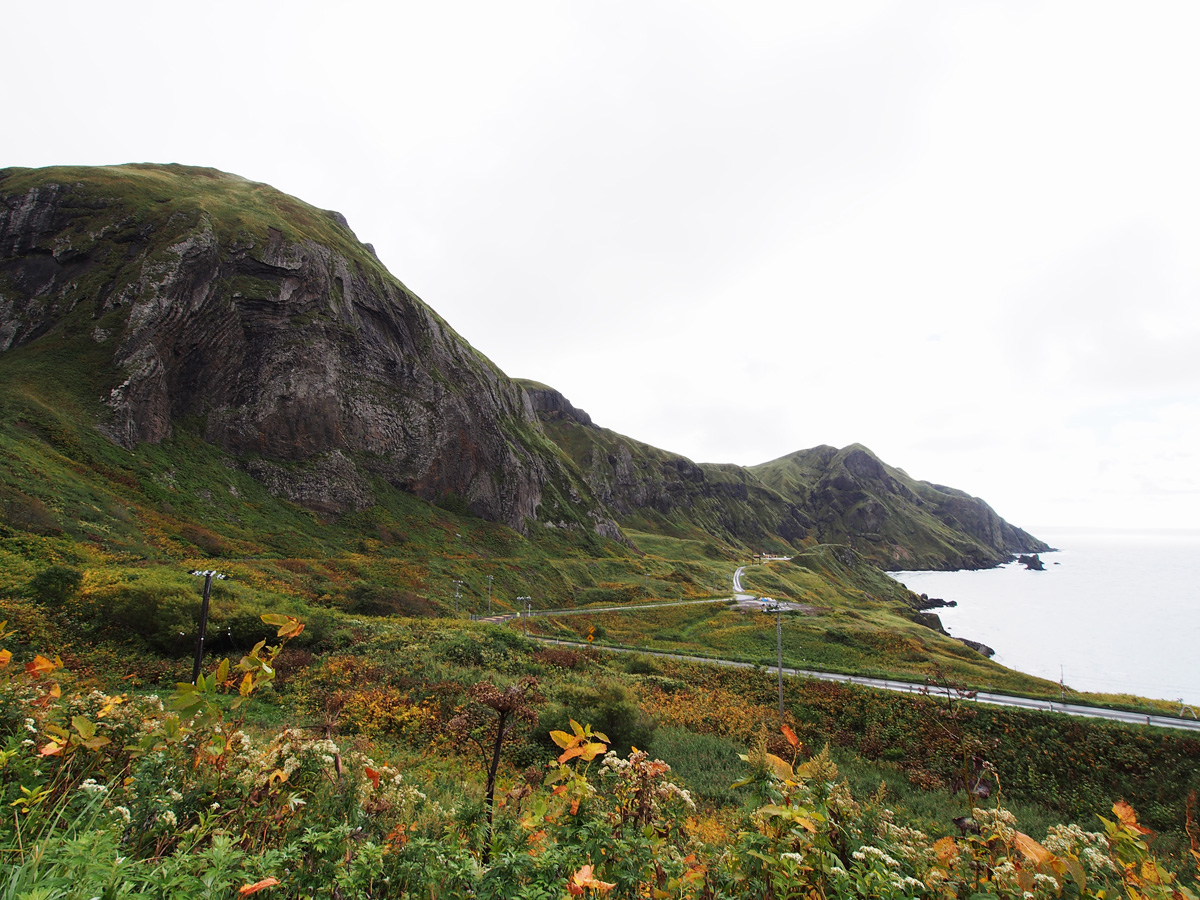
point(822, 495)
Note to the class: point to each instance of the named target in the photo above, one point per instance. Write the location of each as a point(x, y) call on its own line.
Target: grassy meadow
point(355, 734)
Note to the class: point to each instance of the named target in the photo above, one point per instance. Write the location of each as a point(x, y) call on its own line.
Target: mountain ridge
point(819, 495)
point(201, 297)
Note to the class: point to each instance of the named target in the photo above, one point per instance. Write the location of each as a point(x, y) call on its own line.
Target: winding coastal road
point(884, 684)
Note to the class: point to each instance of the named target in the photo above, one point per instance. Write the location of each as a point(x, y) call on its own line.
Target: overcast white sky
point(963, 234)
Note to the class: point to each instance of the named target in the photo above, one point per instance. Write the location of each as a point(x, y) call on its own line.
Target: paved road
point(905, 687)
point(737, 582)
point(587, 610)
point(740, 595)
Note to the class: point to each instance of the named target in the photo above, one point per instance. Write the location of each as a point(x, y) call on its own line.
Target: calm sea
point(1114, 611)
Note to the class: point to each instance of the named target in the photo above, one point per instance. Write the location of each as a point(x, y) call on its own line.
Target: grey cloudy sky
point(962, 233)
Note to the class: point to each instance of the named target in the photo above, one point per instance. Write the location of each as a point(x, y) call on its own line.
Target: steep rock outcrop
point(548, 402)
point(229, 304)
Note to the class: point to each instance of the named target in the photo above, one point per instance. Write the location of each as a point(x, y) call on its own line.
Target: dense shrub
point(55, 586)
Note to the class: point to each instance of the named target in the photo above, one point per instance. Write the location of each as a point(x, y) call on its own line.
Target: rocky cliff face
point(227, 303)
point(822, 495)
point(852, 496)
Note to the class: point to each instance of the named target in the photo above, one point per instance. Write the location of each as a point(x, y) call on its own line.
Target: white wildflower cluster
point(91, 786)
point(671, 789)
point(390, 795)
point(1089, 847)
point(638, 769)
point(1004, 871)
point(881, 872)
point(31, 726)
point(910, 844)
point(324, 748)
point(869, 853)
point(841, 801)
point(256, 768)
point(794, 857)
point(122, 813)
point(998, 823)
point(1048, 881)
point(612, 764)
point(168, 818)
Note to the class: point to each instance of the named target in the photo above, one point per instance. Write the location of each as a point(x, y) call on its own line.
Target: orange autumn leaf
point(373, 775)
point(790, 735)
point(946, 849)
point(1128, 817)
point(584, 878)
point(781, 767)
point(247, 889)
point(5, 658)
point(1031, 849)
point(40, 666)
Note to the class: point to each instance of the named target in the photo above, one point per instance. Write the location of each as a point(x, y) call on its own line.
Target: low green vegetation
point(434, 757)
